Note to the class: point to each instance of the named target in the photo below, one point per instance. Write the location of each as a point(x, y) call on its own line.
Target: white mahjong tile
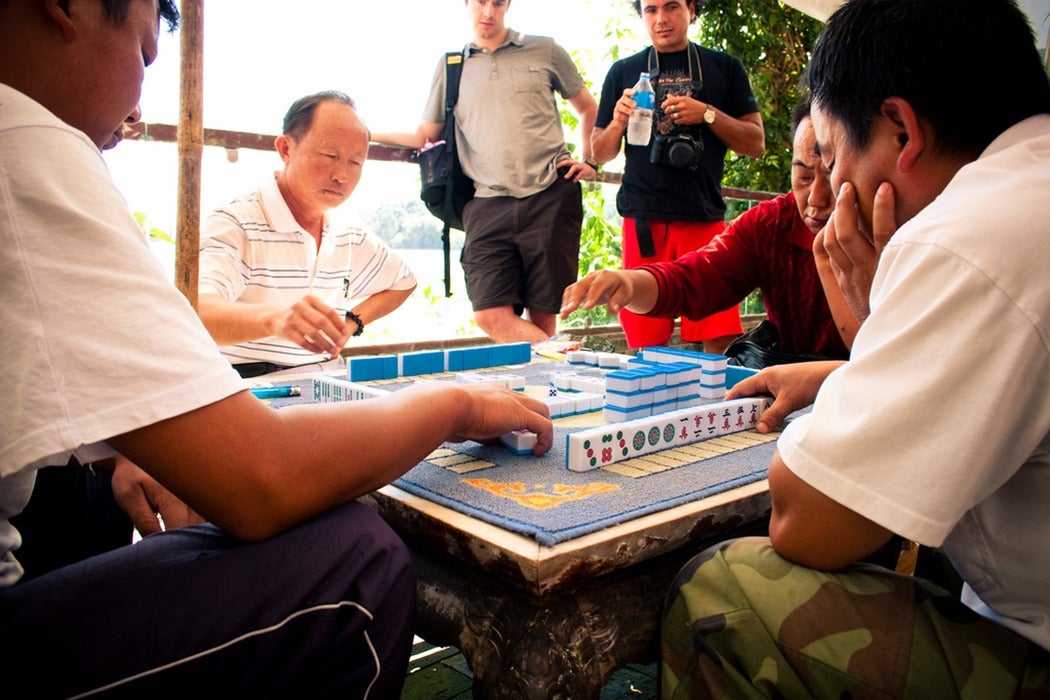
point(519, 441)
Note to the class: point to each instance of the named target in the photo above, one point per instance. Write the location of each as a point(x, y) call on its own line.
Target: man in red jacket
point(768, 247)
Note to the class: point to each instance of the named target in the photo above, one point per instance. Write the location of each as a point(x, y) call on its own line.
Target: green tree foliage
point(600, 249)
point(410, 225)
point(150, 229)
point(773, 41)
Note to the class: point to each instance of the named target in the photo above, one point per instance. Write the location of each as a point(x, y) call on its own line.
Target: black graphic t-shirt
point(667, 192)
point(672, 78)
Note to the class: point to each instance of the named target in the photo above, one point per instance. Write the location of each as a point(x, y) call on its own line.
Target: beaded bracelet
point(350, 315)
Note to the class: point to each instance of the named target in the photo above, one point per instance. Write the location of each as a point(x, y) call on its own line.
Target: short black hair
point(697, 6)
point(300, 115)
point(117, 11)
point(800, 111)
point(947, 58)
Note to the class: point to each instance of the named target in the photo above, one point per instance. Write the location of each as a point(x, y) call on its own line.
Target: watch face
point(709, 116)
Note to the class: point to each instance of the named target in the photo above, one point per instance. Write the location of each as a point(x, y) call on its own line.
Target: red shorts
point(672, 239)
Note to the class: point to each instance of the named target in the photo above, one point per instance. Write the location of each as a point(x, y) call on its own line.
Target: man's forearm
point(427, 131)
point(605, 143)
point(584, 104)
point(399, 139)
point(232, 322)
point(587, 133)
point(746, 136)
point(379, 305)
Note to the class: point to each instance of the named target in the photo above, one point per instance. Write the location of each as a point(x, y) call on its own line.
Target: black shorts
point(523, 252)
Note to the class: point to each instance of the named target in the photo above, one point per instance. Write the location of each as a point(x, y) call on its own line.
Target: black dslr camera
point(676, 150)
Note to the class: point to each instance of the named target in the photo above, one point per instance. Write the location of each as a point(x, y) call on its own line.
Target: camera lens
point(681, 154)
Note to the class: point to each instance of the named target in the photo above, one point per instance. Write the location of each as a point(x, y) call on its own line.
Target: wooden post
point(190, 148)
point(1046, 53)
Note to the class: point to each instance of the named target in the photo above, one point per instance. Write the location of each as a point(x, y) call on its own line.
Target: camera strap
point(693, 57)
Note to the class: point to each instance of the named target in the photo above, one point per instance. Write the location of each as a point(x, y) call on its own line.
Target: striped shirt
point(253, 250)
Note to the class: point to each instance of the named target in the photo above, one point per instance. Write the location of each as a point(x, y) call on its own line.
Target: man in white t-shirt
point(74, 513)
point(293, 588)
point(927, 431)
point(285, 279)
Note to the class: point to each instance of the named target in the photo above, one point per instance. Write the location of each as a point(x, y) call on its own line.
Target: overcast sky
point(261, 55)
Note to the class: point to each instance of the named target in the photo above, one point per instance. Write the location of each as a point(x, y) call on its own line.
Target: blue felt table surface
point(540, 498)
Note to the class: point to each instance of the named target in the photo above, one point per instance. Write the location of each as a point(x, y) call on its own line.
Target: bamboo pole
point(190, 148)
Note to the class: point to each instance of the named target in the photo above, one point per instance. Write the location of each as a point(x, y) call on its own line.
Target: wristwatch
point(593, 163)
point(709, 115)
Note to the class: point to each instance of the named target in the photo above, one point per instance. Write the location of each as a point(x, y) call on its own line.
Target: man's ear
point(283, 145)
point(911, 138)
point(59, 15)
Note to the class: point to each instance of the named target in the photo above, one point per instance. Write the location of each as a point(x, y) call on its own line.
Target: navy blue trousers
point(322, 610)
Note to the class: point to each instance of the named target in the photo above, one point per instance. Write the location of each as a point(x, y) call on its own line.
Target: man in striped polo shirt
point(284, 280)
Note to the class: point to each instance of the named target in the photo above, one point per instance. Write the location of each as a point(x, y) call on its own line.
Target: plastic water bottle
point(640, 125)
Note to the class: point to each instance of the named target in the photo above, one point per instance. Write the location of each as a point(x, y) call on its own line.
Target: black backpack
point(445, 188)
point(760, 347)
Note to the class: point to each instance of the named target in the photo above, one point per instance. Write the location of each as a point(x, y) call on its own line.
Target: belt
point(646, 246)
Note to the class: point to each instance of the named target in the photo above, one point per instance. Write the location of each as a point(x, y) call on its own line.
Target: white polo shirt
point(253, 250)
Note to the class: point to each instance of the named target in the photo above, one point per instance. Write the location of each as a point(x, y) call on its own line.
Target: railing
point(233, 140)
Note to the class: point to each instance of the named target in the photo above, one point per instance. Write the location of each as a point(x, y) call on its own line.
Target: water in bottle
point(640, 125)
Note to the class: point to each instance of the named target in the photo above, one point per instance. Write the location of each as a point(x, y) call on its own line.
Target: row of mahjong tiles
point(659, 384)
point(372, 367)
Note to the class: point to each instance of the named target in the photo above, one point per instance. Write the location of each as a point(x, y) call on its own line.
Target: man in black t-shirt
point(671, 196)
